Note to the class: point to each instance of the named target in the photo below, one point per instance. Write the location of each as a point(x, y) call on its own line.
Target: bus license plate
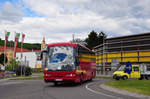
point(58, 79)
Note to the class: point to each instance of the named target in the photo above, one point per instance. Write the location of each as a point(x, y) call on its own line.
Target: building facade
point(28, 58)
point(119, 50)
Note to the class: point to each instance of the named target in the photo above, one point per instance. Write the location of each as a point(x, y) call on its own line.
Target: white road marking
point(96, 92)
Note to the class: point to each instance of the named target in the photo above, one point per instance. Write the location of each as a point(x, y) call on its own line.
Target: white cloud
point(62, 18)
point(9, 13)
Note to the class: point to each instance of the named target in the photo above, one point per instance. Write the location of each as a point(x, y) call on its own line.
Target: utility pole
point(103, 56)
point(25, 66)
point(73, 38)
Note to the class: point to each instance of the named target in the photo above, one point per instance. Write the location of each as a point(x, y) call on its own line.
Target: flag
point(23, 36)
point(6, 39)
point(16, 43)
point(17, 37)
point(7, 34)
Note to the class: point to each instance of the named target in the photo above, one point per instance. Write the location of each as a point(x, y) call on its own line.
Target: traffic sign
point(128, 67)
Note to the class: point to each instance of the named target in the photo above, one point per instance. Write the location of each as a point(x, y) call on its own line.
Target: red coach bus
point(68, 62)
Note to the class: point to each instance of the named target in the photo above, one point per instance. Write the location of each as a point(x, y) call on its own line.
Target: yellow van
point(122, 74)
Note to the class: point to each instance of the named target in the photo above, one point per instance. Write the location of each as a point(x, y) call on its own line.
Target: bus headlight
point(47, 74)
point(71, 75)
point(46, 69)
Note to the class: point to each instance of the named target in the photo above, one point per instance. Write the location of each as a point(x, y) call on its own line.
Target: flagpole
point(21, 58)
point(14, 52)
point(5, 48)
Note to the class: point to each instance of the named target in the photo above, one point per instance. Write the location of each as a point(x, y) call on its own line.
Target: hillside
point(34, 46)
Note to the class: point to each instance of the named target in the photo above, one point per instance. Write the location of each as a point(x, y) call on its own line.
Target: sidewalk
point(4, 79)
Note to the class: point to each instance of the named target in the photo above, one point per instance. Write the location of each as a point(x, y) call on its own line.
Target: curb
point(5, 79)
point(124, 92)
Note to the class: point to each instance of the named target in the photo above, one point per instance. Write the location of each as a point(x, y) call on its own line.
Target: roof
point(36, 50)
point(18, 49)
point(62, 44)
point(122, 37)
point(133, 35)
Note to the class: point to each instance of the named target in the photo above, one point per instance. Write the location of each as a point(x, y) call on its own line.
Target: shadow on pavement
point(60, 84)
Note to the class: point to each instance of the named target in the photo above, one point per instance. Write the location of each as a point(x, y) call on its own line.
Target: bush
point(24, 69)
point(12, 65)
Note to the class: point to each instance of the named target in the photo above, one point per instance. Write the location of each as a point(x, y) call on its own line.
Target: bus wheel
point(81, 79)
point(91, 79)
point(125, 77)
point(55, 83)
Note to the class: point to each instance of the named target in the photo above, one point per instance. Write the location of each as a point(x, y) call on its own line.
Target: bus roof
point(63, 44)
point(68, 44)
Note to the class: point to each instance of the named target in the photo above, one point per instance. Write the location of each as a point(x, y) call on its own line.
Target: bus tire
point(91, 79)
point(81, 78)
point(55, 83)
point(124, 77)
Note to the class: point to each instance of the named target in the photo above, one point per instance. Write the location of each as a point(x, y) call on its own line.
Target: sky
point(58, 20)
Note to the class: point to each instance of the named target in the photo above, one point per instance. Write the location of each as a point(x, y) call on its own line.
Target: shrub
point(24, 69)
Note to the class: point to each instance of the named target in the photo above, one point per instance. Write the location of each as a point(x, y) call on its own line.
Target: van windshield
point(121, 68)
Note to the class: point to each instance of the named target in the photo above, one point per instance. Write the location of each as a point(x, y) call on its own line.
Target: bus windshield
point(61, 58)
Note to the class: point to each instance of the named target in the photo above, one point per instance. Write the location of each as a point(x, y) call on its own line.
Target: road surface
point(37, 89)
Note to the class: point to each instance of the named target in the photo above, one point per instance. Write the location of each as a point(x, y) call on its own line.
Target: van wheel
point(141, 78)
point(117, 78)
point(147, 77)
point(125, 77)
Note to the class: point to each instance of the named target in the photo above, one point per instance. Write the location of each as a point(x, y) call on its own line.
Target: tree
point(92, 40)
point(95, 39)
point(2, 59)
point(101, 37)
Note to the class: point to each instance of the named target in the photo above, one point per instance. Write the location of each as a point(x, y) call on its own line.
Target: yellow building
point(10, 53)
point(133, 48)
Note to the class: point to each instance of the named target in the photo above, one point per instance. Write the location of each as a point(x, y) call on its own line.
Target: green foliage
point(95, 39)
point(12, 65)
point(35, 46)
point(24, 69)
point(2, 59)
point(138, 86)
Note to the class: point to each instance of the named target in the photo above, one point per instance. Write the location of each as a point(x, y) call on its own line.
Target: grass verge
point(138, 86)
point(26, 78)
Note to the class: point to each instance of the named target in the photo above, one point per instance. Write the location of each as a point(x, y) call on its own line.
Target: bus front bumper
point(60, 79)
